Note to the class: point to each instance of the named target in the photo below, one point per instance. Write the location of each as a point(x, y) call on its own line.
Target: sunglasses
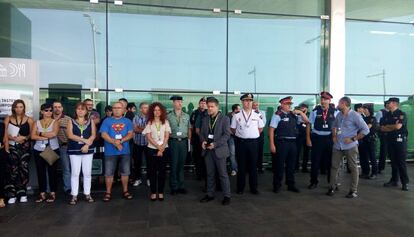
point(47, 110)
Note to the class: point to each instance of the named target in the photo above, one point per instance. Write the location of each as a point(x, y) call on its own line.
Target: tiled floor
point(378, 212)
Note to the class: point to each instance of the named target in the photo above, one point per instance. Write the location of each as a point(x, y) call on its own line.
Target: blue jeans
point(232, 148)
point(65, 164)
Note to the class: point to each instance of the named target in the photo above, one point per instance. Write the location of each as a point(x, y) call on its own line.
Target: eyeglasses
point(47, 110)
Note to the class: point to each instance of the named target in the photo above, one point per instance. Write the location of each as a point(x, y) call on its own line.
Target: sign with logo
point(19, 79)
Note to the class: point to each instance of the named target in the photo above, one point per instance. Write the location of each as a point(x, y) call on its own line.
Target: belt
point(247, 139)
point(179, 139)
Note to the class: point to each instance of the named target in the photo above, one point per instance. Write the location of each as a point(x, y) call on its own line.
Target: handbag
point(49, 155)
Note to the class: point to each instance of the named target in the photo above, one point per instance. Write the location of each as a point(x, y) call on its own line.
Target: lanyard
point(324, 115)
point(158, 127)
point(212, 125)
point(248, 118)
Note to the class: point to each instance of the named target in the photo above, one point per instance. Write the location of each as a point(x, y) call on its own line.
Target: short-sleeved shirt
point(274, 122)
point(397, 117)
point(114, 127)
point(179, 124)
point(247, 124)
point(348, 127)
point(312, 118)
point(157, 133)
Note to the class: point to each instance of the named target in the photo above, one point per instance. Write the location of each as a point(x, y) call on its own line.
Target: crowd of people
point(158, 137)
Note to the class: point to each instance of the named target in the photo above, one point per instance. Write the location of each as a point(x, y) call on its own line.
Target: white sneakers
point(137, 183)
point(23, 199)
point(233, 173)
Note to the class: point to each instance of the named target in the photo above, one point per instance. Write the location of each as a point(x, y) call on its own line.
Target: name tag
point(339, 132)
point(399, 139)
point(81, 143)
point(179, 134)
point(210, 136)
point(303, 125)
point(160, 143)
point(286, 119)
point(118, 136)
point(325, 126)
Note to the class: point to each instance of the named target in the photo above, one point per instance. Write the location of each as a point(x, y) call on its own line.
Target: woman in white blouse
point(157, 133)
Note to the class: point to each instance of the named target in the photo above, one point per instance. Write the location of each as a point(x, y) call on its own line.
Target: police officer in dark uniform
point(320, 139)
point(383, 153)
point(283, 132)
point(301, 146)
point(367, 146)
point(195, 121)
point(396, 126)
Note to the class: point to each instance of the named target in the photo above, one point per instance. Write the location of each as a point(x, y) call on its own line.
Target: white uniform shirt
point(247, 125)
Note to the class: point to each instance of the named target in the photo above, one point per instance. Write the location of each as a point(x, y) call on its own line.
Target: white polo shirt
point(247, 124)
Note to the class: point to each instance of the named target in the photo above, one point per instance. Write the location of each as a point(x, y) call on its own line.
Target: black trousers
point(284, 159)
point(321, 156)
point(3, 170)
point(367, 156)
point(302, 147)
point(398, 155)
point(198, 160)
point(383, 152)
point(42, 167)
point(246, 155)
point(138, 156)
point(260, 152)
point(156, 170)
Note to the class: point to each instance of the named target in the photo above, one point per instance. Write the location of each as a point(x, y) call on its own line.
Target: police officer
point(283, 132)
point(247, 126)
point(367, 146)
point(262, 115)
point(396, 126)
point(383, 153)
point(320, 139)
point(178, 143)
point(301, 146)
point(195, 121)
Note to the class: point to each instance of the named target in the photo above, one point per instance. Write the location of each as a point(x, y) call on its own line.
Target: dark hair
point(46, 106)
point(108, 108)
point(234, 107)
point(86, 100)
point(83, 105)
point(152, 107)
point(212, 100)
point(142, 104)
point(131, 105)
point(14, 105)
point(123, 99)
point(347, 101)
point(57, 101)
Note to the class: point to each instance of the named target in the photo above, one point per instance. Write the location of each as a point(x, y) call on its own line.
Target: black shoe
point(182, 191)
point(226, 201)
point(174, 192)
point(293, 189)
point(330, 192)
point(276, 189)
point(305, 171)
point(391, 184)
point(255, 192)
point(312, 186)
point(373, 176)
point(206, 199)
point(240, 192)
point(404, 187)
point(351, 194)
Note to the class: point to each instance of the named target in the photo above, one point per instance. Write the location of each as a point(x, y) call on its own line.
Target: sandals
point(89, 199)
point(73, 201)
point(127, 196)
point(107, 197)
point(41, 198)
point(51, 198)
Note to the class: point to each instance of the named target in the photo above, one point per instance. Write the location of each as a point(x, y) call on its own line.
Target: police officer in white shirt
point(247, 126)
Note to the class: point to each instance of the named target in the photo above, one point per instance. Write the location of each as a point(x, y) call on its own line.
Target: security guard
point(320, 139)
point(396, 127)
point(301, 146)
point(195, 121)
point(283, 132)
point(383, 153)
point(262, 115)
point(178, 143)
point(247, 126)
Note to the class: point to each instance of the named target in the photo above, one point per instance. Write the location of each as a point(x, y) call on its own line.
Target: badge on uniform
point(325, 126)
point(286, 119)
point(118, 136)
point(210, 136)
point(179, 134)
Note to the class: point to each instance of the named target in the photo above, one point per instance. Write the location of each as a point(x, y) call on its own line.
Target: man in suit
point(214, 134)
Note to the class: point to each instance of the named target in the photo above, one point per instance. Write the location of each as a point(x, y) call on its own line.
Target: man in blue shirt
point(348, 128)
point(117, 131)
